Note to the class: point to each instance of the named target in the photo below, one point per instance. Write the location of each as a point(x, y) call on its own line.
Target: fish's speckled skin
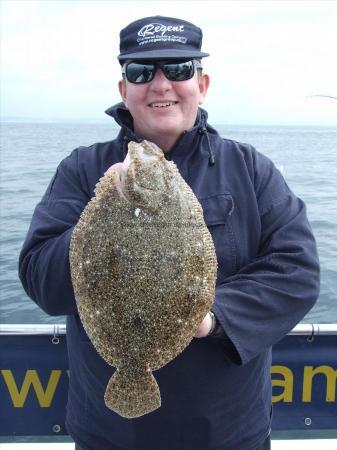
point(143, 267)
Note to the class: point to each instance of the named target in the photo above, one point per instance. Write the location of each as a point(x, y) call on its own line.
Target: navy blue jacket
point(217, 392)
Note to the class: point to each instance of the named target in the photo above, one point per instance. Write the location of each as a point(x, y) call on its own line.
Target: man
point(216, 395)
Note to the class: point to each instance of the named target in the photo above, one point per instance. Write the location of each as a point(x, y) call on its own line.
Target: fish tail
point(132, 394)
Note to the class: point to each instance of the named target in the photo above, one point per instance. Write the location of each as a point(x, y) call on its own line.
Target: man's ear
point(204, 82)
point(122, 90)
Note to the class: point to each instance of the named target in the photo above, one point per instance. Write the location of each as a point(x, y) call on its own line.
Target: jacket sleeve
point(270, 294)
point(44, 268)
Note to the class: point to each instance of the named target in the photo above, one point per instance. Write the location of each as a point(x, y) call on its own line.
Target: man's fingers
point(205, 327)
point(119, 168)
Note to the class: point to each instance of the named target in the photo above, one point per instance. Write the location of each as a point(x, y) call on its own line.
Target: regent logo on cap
point(158, 28)
point(157, 32)
point(160, 37)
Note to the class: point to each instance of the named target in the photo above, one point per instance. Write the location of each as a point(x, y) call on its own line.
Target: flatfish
point(143, 268)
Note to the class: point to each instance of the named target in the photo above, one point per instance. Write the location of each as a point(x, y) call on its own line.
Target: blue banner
point(34, 382)
point(33, 385)
point(304, 375)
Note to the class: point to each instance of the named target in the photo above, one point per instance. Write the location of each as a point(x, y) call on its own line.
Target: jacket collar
point(190, 139)
point(123, 117)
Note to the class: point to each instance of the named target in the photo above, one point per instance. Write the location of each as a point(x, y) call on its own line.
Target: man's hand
point(205, 327)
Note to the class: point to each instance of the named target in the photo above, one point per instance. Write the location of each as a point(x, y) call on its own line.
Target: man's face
point(162, 109)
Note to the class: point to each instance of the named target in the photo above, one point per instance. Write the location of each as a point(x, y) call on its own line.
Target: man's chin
point(170, 129)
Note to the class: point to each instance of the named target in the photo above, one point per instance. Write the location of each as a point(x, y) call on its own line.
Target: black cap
point(160, 37)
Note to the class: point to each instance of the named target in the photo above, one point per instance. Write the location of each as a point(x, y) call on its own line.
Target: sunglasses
point(140, 72)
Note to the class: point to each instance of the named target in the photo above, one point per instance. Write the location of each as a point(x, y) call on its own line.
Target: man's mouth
point(161, 104)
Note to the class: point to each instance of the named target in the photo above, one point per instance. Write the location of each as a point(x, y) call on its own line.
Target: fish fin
point(132, 394)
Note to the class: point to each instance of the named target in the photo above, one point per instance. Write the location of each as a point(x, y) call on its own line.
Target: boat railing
point(61, 329)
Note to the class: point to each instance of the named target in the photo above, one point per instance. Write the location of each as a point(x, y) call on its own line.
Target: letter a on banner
point(287, 383)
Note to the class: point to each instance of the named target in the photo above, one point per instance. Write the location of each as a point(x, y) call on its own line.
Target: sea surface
point(30, 153)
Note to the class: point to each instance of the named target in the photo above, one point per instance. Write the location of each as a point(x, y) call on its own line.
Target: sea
point(31, 152)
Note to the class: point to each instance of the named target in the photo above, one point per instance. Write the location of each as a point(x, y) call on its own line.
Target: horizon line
point(23, 119)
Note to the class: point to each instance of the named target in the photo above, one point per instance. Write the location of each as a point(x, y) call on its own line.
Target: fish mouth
point(166, 104)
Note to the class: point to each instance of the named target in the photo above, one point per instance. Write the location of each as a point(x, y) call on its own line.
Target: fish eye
point(147, 155)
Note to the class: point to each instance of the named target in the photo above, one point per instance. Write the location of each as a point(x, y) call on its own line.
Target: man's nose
point(160, 82)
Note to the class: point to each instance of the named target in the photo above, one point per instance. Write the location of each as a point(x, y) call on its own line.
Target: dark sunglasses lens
point(139, 73)
point(179, 71)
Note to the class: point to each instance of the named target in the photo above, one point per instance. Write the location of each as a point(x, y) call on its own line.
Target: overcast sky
point(58, 57)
